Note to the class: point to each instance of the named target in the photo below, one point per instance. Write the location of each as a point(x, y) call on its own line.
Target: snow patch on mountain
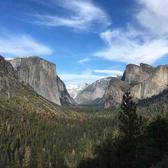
point(74, 90)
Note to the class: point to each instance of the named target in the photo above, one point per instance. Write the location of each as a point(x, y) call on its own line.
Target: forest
point(127, 137)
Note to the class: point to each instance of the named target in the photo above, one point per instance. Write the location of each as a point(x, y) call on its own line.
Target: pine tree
point(130, 122)
point(130, 127)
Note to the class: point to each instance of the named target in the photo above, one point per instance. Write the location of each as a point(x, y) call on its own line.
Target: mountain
point(15, 96)
point(74, 90)
point(143, 81)
point(93, 94)
point(41, 76)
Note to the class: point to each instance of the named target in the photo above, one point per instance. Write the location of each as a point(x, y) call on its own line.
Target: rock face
point(142, 81)
point(6, 67)
point(7, 76)
point(153, 85)
point(39, 74)
point(114, 93)
point(94, 93)
point(135, 74)
point(64, 96)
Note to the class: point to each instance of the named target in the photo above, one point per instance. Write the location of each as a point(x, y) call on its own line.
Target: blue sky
point(86, 39)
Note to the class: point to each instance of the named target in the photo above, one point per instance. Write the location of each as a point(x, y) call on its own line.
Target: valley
point(83, 84)
point(38, 131)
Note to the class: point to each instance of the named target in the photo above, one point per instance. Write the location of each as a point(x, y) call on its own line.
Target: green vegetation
point(82, 137)
point(139, 144)
point(48, 139)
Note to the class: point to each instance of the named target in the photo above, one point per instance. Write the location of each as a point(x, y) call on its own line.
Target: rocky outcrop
point(114, 93)
point(40, 75)
point(94, 93)
point(64, 96)
point(135, 74)
point(142, 81)
point(153, 85)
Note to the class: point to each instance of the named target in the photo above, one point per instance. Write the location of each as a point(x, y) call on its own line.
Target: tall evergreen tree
point(129, 122)
point(130, 127)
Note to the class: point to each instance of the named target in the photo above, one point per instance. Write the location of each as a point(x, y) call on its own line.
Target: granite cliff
point(135, 74)
point(41, 76)
point(143, 81)
point(153, 85)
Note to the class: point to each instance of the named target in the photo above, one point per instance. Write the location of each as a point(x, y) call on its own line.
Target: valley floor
point(53, 141)
point(60, 139)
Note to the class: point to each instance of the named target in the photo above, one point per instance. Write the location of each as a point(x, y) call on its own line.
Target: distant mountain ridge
point(143, 81)
point(93, 93)
point(74, 90)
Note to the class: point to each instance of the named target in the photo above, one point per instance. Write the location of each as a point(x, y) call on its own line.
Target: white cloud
point(79, 78)
point(154, 16)
point(136, 45)
point(84, 60)
point(113, 73)
point(130, 48)
point(107, 36)
point(82, 15)
point(87, 76)
point(22, 45)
